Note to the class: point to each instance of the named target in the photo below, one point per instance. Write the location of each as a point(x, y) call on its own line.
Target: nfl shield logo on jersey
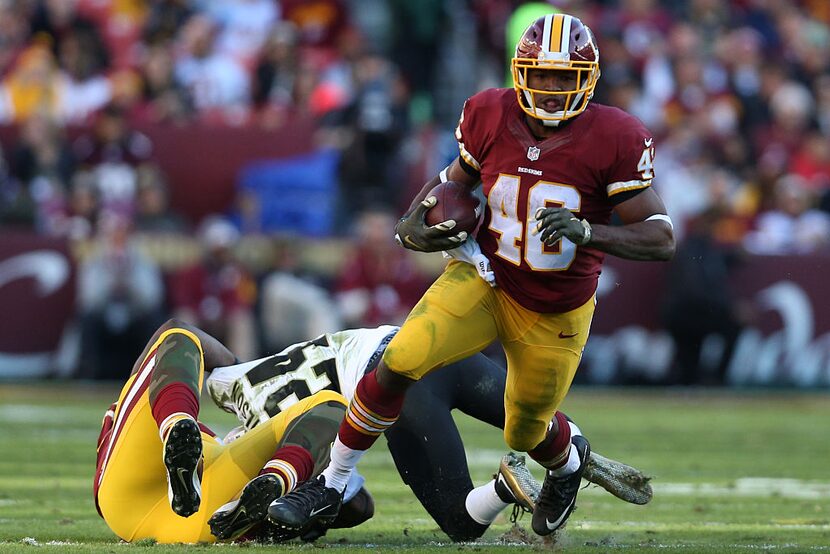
point(533, 153)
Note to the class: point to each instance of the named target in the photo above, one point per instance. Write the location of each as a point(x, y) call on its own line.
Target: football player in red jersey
point(553, 168)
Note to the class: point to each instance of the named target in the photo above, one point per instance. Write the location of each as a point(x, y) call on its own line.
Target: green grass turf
point(733, 472)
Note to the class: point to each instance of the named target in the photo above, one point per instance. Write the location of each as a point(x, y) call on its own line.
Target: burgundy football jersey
point(584, 167)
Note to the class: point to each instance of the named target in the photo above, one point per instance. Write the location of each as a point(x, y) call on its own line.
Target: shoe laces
point(557, 491)
point(518, 513)
point(307, 493)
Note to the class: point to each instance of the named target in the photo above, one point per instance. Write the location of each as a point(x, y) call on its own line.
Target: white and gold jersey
point(257, 390)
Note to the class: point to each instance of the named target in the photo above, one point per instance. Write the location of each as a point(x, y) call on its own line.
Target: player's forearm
point(646, 240)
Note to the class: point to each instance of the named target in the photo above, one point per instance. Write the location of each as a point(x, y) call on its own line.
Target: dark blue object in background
point(295, 195)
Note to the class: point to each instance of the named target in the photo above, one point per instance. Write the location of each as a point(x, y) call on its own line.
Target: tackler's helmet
point(556, 42)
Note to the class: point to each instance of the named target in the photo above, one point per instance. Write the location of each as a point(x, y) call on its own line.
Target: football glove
point(555, 223)
point(411, 232)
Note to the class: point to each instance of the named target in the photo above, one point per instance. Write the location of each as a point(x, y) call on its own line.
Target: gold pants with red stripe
point(461, 314)
point(133, 492)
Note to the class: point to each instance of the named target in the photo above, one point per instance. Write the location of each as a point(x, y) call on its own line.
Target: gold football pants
point(133, 491)
point(461, 314)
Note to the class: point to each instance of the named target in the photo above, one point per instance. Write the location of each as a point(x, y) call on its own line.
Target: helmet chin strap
point(541, 112)
point(548, 119)
point(550, 122)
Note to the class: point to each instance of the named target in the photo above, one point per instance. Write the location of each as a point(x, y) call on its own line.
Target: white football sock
point(483, 503)
point(570, 466)
point(169, 421)
point(573, 456)
point(343, 461)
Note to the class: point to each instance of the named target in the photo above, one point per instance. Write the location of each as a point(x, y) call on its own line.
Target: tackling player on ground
point(553, 169)
point(425, 443)
point(288, 403)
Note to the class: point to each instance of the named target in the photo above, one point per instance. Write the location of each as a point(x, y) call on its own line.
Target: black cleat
point(235, 518)
point(310, 502)
point(268, 533)
point(558, 496)
point(359, 509)
point(182, 454)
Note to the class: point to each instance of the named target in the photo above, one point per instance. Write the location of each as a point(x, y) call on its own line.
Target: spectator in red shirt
point(217, 293)
point(379, 283)
point(812, 162)
point(112, 153)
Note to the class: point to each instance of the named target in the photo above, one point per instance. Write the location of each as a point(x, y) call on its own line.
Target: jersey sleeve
point(633, 170)
point(472, 132)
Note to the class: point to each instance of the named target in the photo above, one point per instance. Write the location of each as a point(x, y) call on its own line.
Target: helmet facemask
point(556, 43)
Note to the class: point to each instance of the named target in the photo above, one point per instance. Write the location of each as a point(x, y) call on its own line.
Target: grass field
point(733, 472)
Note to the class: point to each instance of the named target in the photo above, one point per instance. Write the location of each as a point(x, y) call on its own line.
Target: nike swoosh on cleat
point(553, 525)
point(563, 335)
point(180, 472)
point(315, 512)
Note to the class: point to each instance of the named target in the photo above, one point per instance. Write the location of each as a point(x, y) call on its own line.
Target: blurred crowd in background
point(737, 93)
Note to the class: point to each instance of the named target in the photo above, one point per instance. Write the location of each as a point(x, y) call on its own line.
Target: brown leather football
point(455, 201)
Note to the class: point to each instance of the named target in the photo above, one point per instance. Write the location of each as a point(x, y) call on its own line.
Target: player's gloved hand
point(470, 252)
point(555, 223)
point(411, 232)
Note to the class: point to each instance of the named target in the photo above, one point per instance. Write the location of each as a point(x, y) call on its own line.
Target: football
point(454, 201)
